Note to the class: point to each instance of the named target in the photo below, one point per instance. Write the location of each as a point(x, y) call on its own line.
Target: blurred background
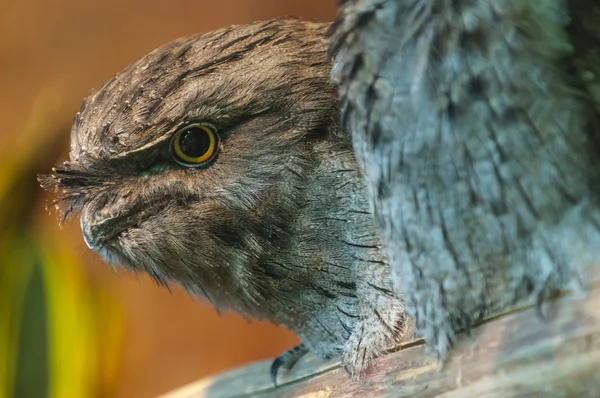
point(71, 326)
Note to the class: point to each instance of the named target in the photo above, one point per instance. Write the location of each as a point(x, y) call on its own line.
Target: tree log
point(514, 354)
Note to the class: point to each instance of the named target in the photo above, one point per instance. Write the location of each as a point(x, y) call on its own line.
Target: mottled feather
point(474, 123)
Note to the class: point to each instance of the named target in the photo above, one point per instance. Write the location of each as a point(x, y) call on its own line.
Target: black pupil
point(194, 142)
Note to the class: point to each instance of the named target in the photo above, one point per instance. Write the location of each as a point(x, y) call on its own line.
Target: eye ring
point(195, 145)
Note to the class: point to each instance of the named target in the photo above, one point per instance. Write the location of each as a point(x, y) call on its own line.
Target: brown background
point(169, 340)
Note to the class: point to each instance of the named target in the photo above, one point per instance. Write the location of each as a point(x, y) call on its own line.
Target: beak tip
point(86, 237)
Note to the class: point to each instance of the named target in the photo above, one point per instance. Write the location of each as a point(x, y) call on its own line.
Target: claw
point(274, 369)
point(347, 370)
point(542, 309)
point(577, 285)
point(287, 360)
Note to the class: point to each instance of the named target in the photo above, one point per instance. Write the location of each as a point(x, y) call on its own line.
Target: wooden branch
point(514, 354)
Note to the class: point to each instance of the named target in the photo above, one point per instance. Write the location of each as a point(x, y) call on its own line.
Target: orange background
point(169, 340)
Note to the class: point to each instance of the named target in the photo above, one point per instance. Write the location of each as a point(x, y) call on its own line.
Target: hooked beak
point(86, 233)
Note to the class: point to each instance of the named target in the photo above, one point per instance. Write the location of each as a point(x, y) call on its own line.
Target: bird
point(475, 126)
point(426, 161)
point(217, 163)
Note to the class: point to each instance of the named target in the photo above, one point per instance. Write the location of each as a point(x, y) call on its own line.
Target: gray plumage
point(278, 226)
point(475, 125)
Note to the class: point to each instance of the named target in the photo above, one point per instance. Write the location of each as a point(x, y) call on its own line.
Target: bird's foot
point(287, 360)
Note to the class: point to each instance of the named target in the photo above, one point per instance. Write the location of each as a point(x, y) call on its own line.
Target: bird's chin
point(111, 254)
point(108, 249)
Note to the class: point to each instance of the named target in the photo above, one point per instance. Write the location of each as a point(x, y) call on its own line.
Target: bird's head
point(194, 156)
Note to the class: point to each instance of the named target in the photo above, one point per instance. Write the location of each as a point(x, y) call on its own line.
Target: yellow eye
point(195, 145)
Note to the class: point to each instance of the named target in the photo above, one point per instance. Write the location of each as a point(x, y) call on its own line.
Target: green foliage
point(60, 336)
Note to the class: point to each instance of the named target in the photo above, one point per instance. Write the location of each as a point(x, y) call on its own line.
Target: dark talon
point(275, 368)
point(287, 360)
point(347, 369)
